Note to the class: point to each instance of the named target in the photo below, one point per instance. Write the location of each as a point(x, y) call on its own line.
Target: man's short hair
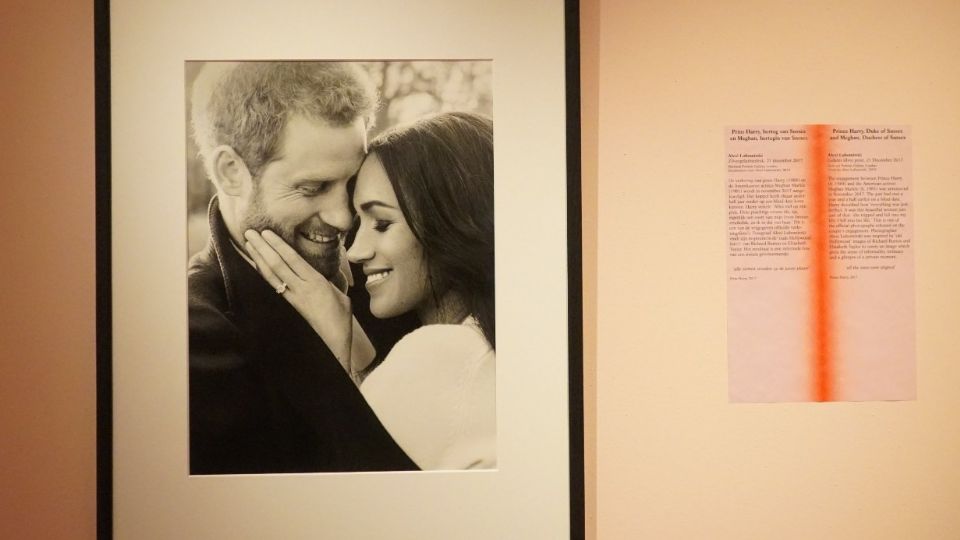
point(245, 105)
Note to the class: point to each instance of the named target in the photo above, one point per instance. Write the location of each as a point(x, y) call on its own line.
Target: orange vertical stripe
point(821, 295)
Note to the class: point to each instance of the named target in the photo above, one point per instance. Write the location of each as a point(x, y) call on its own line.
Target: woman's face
point(391, 256)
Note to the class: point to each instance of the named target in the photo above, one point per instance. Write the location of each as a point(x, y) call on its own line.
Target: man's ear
point(230, 172)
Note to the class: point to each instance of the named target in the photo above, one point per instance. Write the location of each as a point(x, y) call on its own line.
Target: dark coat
point(266, 394)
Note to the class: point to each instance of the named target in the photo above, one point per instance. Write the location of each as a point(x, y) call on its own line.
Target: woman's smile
point(376, 277)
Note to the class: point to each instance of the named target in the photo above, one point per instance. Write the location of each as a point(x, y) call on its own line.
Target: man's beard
point(257, 219)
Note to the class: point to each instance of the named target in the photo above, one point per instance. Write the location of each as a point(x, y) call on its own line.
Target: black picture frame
point(104, 268)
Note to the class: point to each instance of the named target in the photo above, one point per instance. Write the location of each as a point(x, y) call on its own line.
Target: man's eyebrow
point(370, 204)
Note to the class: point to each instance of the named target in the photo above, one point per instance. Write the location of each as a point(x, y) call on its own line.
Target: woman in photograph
point(424, 198)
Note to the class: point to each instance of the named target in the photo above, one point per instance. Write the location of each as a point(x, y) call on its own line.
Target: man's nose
point(335, 209)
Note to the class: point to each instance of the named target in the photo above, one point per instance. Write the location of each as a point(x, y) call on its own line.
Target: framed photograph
point(339, 270)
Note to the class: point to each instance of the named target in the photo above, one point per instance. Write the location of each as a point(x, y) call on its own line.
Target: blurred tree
point(411, 89)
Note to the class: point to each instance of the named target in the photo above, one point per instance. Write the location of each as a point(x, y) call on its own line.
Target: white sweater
point(436, 395)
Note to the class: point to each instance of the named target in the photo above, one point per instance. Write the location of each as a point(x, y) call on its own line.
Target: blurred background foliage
point(407, 89)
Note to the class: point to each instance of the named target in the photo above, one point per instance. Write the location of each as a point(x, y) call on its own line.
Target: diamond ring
point(282, 288)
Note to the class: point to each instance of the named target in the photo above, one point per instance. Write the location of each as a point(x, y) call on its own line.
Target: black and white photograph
point(340, 266)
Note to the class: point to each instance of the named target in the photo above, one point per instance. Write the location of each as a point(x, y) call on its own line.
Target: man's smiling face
point(301, 194)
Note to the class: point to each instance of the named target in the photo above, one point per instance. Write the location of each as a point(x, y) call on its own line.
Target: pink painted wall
point(589, 131)
point(675, 459)
point(47, 360)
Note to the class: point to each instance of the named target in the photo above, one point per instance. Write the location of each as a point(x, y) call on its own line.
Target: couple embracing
point(342, 313)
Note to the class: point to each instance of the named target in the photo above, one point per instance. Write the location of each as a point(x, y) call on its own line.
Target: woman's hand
point(325, 307)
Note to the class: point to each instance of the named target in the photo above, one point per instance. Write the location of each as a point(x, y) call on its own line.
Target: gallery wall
point(47, 376)
point(675, 458)
point(589, 127)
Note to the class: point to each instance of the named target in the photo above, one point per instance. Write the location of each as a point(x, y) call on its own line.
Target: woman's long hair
point(441, 168)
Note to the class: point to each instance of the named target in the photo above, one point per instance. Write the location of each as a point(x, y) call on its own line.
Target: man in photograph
point(280, 142)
